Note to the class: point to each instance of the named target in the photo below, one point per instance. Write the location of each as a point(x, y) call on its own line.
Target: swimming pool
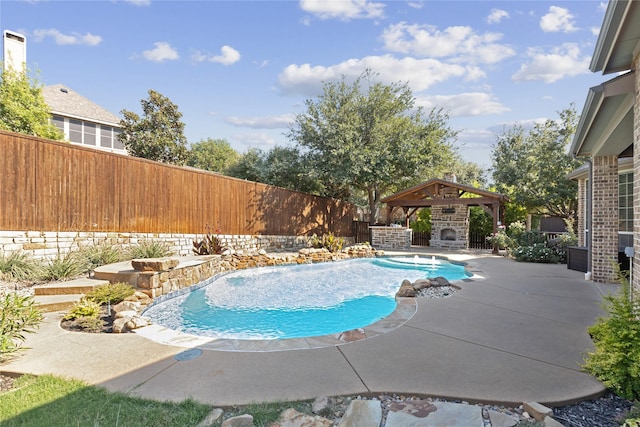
point(296, 301)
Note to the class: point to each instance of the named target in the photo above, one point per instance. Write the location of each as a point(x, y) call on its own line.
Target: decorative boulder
point(406, 290)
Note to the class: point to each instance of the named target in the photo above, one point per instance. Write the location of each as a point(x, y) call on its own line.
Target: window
point(58, 121)
point(106, 136)
point(89, 133)
point(116, 139)
point(75, 131)
point(625, 202)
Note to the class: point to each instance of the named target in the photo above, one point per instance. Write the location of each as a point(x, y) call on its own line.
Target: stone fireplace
point(448, 234)
point(449, 227)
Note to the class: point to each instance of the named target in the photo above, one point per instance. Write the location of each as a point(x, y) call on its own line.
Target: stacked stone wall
point(604, 241)
point(391, 237)
point(50, 244)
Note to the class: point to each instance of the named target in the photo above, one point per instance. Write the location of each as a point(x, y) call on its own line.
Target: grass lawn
point(50, 401)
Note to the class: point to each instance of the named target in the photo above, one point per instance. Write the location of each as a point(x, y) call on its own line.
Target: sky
point(242, 70)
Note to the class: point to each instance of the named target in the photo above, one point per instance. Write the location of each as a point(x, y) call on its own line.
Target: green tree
point(215, 155)
point(281, 166)
point(22, 106)
point(251, 166)
point(531, 166)
point(369, 138)
point(159, 134)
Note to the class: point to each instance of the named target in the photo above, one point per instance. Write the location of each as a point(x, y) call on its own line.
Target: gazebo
point(449, 203)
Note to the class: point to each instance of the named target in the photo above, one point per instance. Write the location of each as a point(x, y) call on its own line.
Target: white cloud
point(228, 56)
point(254, 139)
point(266, 122)
point(67, 39)
point(464, 104)
point(416, 4)
point(558, 19)
point(496, 16)
point(161, 52)
point(562, 61)
point(419, 73)
point(344, 9)
point(458, 43)
point(595, 31)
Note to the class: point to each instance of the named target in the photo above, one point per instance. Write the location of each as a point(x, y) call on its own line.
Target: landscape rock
point(126, 306)
point(136, 322)
point(125, 314)
point(362, 413)
point(440, 281)
point(352, 335)
point(211, 418)
point(420, 284)
point(292, 418)
point(120, 325)
point(320, 405)
point(406, 290)
point(537, 411)
point(245, 420)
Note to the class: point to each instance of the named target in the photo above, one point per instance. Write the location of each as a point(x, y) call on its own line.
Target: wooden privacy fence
point(54, 186)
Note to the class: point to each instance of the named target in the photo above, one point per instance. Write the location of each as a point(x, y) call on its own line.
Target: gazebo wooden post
point(389, 212)
point(496, 219)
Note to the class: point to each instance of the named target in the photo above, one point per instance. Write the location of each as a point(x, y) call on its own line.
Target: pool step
point(60, 296)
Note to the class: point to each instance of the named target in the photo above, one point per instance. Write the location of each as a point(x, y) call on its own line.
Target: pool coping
point(406, 308)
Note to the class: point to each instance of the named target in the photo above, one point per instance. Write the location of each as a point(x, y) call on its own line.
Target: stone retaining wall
point(50, 244)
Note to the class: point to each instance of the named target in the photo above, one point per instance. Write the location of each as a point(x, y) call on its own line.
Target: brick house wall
point(604, 242)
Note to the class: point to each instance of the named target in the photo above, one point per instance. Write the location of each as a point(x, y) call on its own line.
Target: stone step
point(118, 272)
point(71, 287)
point(51, 303)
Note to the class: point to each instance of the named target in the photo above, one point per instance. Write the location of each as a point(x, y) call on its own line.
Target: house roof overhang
point(429, 193)
point(606, 123)
point(619, 38)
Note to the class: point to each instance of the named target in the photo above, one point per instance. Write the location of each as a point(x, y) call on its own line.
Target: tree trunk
point(374, 205)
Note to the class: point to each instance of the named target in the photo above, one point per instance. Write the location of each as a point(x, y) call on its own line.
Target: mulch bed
point(75, 325)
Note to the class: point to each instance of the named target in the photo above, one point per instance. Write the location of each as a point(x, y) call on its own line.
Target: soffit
point(606, 123)
point(619, 38)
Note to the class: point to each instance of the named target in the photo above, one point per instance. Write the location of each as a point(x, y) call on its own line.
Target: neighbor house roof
point(619, 37)
point(65, 102)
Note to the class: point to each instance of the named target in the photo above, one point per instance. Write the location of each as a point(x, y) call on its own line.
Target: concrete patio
point(516, 332)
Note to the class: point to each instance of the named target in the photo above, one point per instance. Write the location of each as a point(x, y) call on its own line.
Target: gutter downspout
point(589, 189)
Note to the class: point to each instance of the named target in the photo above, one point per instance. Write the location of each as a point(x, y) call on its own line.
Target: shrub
point(501, 240)
point(18, 316)
point(89, 324)
point(18, 266)
point(209, 245)
point(327, 241)
point(539, 252)
point(112, 293)
point(64, 267)
point(149, 249)
point(84, 308)
point(616, 358)
point(101, 254)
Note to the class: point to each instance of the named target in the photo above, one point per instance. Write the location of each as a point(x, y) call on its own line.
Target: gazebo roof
point(432, 192)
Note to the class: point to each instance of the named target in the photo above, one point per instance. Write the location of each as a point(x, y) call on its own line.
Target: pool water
point(298, 300)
